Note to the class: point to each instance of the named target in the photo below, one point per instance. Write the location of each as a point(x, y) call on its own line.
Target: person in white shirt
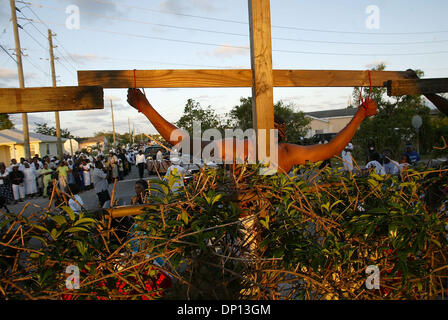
point(76, 202)
point(140, 162)
point(390, 166)
point(175, 174)
point(347, 158)
point(100, 183)
point(13, 164)
point(378, 167)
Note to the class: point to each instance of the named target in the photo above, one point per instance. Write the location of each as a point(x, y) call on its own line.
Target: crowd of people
point(73, 174)
point(382, 163)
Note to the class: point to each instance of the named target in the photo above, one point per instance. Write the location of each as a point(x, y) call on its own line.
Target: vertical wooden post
point(261, 60)
point(56, 114)
point(26, 134)
point(113, 123)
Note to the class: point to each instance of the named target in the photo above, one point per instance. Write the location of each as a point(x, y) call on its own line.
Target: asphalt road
point(124, 191)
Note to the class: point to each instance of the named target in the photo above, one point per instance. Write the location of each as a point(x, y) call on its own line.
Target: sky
point(212, 34)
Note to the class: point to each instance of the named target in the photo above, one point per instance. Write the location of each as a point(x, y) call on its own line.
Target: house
point(71, 146)
point(333, 121)
point(329, 121)
point(11, 145)
point(99, 142)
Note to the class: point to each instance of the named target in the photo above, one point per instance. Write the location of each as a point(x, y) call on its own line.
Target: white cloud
point(83, 58)
point(8, 74)
point(177, 6)
point(95, 8)
point(226, 51)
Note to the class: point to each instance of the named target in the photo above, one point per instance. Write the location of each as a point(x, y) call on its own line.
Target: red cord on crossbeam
point(362, 102)
point(135, 90)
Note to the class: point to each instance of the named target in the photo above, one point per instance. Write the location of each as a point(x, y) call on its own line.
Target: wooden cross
point(43, 99)
point(261, 77)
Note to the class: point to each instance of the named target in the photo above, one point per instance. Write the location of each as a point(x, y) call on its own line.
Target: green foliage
point(312, 238)
point(193, 111)
point(392, 127)
point(43, 128)
point(5, 122)
point(296, 122)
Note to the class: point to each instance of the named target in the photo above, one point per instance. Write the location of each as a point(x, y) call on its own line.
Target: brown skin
point(140, 193)
point(288, 154)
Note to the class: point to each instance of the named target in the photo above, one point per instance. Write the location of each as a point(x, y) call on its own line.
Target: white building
point(11, 145)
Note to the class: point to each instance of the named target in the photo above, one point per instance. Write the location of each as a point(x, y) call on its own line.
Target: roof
point(332, 113)
point(92, 139)
point(15, 136)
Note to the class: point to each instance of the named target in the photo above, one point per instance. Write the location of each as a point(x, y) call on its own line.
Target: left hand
point(370, 107)
point(136, 98)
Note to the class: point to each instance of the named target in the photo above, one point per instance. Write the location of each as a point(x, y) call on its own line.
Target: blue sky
point(200, 34)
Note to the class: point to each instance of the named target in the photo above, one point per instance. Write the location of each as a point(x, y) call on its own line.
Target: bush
point(239, 235)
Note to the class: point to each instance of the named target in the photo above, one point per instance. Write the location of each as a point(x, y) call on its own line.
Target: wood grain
point(213, 78)
point(45, 99)
point(417, 86)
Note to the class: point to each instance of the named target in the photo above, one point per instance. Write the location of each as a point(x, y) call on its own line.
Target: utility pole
point(113, 123)
point(26, 135)
point(56, 113)
point(129, 126)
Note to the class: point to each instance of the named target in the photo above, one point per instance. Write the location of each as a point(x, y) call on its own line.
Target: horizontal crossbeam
point(213, 78)
point(45, 99)
point(417, 86)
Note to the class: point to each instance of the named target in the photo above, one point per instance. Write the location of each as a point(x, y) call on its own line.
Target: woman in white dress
point(29, 179)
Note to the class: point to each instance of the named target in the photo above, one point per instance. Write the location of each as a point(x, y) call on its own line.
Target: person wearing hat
point(412, 154)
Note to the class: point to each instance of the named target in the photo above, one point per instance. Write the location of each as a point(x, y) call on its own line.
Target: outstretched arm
point(290, 154)
point(166, 129)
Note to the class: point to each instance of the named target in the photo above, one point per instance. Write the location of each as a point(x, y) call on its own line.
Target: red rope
point(135, 90)
point(362, 101)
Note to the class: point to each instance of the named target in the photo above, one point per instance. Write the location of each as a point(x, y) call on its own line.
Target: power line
point(35, 66)
point(8, 53)
point(42, 22)
point(35, 40)
point(247, 48)
point(246, 35)
point(273, 26)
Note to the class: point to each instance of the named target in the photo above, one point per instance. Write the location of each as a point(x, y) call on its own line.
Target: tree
point(5, 122)
point(296, 122)
point(208, 118)
point(392, 127)
point(43, 128)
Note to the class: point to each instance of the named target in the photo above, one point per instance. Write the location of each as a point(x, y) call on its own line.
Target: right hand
point(136, 98)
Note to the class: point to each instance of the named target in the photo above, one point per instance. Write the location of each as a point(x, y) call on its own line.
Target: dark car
point(321, 137)
point(152, 151)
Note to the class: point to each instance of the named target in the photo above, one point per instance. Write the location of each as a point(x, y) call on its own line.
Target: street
point(124, 191)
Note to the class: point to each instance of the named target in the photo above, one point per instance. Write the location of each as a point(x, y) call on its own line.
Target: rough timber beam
point(262, 73)
point(417, 86)
point(45, 99)
point(228, 78)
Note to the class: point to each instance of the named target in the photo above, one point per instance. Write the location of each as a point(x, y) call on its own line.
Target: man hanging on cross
point(289, 154)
